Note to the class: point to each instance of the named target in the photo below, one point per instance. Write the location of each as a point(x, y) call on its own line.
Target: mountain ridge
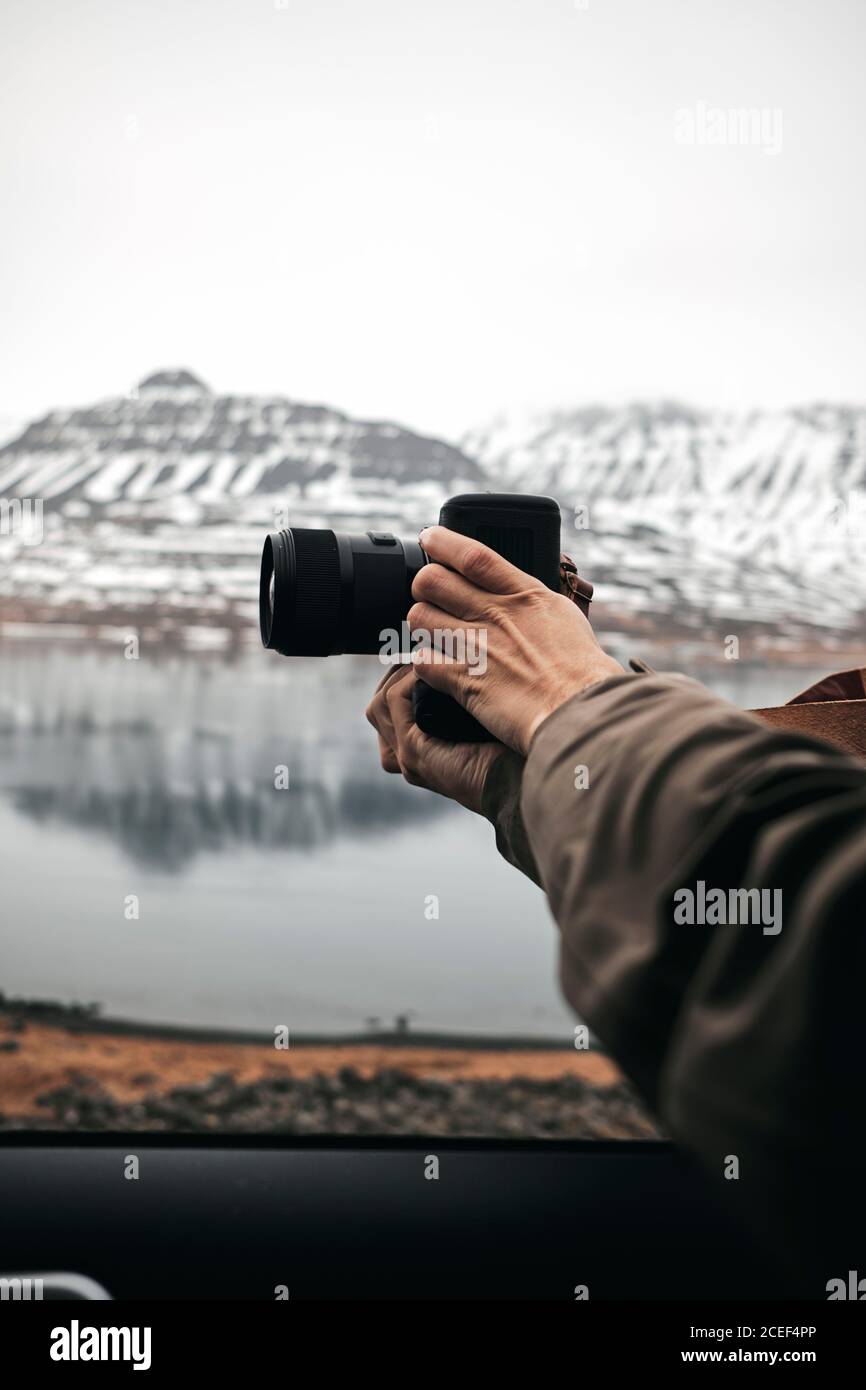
point(173, 436)
point(687, 520)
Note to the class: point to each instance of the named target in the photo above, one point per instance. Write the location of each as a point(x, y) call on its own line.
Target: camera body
point(323, 592)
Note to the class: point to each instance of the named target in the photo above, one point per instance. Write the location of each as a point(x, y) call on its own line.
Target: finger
point(427, 618)
point(377, 711)
point(402, 715)
point(391, 674)
point(388, 758)
point(388, 736)
point(410, 741)
point(397, 693)
point(434, 664)
point(387, 741)
point(476, 562)
point(440, 671)
point(449, 591)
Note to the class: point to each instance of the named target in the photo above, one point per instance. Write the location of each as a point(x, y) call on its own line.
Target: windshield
point(316, 266)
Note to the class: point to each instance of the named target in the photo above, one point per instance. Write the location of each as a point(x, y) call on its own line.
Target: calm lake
point(154, 780)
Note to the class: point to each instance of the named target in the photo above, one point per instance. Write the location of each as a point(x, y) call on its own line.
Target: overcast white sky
point(431, 211)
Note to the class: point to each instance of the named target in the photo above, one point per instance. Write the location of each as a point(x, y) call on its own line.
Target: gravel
point(391, 1102)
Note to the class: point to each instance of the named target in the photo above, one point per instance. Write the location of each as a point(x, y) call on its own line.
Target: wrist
point(555, 698)
point(485, 777)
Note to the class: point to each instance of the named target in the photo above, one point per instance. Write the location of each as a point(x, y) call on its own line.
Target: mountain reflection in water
point(169, 823)
point(193, 766)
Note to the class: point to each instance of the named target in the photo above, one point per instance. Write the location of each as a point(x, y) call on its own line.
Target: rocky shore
point(389, 1103)
point(59, 1077)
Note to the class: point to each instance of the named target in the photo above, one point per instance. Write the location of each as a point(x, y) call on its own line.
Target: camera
point(322, 593)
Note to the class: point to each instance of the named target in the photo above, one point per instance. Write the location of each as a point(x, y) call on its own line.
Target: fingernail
point(424, 534)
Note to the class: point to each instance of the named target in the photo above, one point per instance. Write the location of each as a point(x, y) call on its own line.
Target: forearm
point(743, 1041)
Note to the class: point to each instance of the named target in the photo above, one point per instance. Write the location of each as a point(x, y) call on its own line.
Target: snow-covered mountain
point(779, 463)
point(692, 525)
point(172, 437)
point(757, 518)
point(154, 505)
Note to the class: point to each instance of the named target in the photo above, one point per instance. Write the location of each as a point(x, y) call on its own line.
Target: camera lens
point(326, 592)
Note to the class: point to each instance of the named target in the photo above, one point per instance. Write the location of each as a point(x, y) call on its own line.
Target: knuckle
point(479, 563)
point(426, 580)
point(541, 597)
point(489, 611)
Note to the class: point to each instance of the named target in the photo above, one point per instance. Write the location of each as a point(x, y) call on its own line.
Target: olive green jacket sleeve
point(745, 1038)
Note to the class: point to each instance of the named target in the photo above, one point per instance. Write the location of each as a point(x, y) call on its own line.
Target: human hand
point(539, 649)
point(455, 770)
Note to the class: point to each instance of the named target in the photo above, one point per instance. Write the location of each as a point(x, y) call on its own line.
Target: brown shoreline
point(127, 1066)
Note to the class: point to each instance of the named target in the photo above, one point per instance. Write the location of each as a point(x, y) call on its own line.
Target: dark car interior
point(245, 1219)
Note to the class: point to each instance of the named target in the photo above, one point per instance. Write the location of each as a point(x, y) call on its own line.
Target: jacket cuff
point(568, 724)
point(500, 803)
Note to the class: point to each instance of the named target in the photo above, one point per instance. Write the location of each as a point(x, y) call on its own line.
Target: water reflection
point(171, 760)
point(167, 825)
point(156, 778)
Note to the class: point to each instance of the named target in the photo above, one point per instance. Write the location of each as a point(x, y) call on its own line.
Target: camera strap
point(570, 583)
